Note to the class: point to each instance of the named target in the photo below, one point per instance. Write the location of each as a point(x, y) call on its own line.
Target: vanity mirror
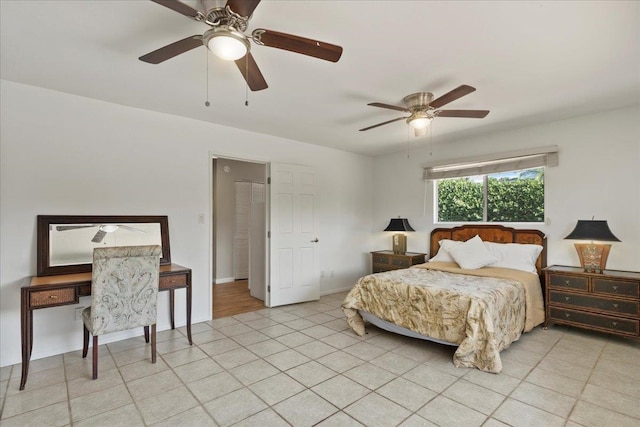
point(65, 243)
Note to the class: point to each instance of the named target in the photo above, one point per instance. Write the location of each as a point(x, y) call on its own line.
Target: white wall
point(598, 175)
point(64, 154)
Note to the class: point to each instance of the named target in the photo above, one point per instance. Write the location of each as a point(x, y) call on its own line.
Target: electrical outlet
point(79, 313)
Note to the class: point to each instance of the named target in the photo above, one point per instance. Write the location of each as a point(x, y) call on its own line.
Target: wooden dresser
point(607, 302)
point(387, 260)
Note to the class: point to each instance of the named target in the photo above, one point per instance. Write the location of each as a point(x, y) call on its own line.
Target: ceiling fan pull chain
point(246, 86)
point(206, 53)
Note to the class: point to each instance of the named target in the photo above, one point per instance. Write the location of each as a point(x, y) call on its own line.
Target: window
point(505, 187)
point(514, 196)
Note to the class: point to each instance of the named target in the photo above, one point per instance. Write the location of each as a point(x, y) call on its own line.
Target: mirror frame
point(43, 267)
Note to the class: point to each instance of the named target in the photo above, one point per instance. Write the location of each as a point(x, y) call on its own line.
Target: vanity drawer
point(52, 297)
point(173, 281)
point(401, 262)
point(381, 259)
point(568, 282)
point(589, 320)
point(616, 287)
point(592, 302)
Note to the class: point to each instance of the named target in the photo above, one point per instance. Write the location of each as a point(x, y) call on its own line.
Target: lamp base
point(399, 244)
point(593, 257)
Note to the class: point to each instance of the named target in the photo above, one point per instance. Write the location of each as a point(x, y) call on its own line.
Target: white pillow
point(443, 253)
point(472, 254)
point(515, 255)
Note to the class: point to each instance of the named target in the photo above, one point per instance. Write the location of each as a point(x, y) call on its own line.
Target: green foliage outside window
point(510, 198)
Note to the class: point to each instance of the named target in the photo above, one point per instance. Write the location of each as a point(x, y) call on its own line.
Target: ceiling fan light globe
point(108, 228)
point(420, 122)
point(228, 46)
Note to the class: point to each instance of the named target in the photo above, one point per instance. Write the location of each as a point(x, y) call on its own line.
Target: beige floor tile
point(626, 369)
point(267, 348)
point(219, 346)
point(445, 412)
point(614, 401)
point(556, 382)
point(37, 380)
point(501, 383)
point(474, 396)
point(364, 350)
point(318, 331)
point(416, 350)
point(590, 415)
point(515, 369)
point(619, 383)
point(85, 385)
point(29, 400)
point(166, 404)
point(266, 418)
point(263, 322)
point(287, 359)
point(394, 363)
point(170, 334)
point(388, 341)
point(575, 355)
point(567, 369)
point(249, 338)
point(430, 378)
point(543, 398)
point(374, 410)
point(339, 419)
point(294, 339)
point(234, 407)
point(276, 388)
point(132, 355)
point(196, 328)
point(208, 336)
point(214, 386)
point(89, 405)
point(233, 358)
point(53, 415)
point(406, 393)
point(339, 340)
point(315, 349)
point(184, 356)
point(125, 416)
point(417, 421)
point(369, 375)
point(277, 330)
point(233, 330)
point(339, 361)
point(197, 370)
point(248, 317)
point(519, 414)
point(126, 344)
point(153, 385)
point(340, 391)
point(311, 373)
point(194, 417)
point(223, 322)
point(169, 346)
point(253, 372)
point(142, 368)
point(305, 409)
point(5, 373)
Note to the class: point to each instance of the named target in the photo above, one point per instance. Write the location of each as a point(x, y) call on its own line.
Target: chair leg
point(95, 357)
point(153, 343)
point(85, 344)
point(146, 334)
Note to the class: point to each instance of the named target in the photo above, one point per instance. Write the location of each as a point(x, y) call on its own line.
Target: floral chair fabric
point(124, 290)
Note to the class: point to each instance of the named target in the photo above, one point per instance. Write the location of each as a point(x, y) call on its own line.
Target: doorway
point(239, 236)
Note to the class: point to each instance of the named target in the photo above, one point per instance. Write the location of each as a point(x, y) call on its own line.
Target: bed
point(480, 291)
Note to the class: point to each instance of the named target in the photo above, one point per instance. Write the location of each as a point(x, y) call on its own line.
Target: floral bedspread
point(483, 311)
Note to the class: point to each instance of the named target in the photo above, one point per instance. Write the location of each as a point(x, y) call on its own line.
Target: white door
point(257, 243)
point(294, 275)
point(242, 219)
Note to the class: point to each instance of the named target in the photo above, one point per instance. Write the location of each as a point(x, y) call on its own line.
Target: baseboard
point(224, 280)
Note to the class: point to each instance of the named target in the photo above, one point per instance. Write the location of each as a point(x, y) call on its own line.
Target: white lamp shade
point(227, 48)
point(420, 122)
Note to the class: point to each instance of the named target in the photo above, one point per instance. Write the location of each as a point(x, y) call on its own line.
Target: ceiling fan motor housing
point(418, 101)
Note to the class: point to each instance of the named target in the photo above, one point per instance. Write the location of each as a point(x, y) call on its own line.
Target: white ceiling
point(530, 61)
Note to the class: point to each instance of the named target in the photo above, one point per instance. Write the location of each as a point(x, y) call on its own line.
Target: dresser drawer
point(173, 281)
point(568, 282)
point(401, 262)
point(53, 297)
point(609, 323)
point(616, 287)
point(382, 260)
point(593, 302)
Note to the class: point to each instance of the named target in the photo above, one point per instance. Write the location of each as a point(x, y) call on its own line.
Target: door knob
point(315, 240)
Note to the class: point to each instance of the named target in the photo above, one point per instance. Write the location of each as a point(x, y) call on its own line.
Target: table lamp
point(399, 239)
point(593, 256)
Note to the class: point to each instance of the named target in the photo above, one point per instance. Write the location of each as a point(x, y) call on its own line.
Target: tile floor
point(300, 365)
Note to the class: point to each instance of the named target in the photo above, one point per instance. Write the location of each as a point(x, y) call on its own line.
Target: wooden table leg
point(172, 298)
point(189, 309)
point(26, 316)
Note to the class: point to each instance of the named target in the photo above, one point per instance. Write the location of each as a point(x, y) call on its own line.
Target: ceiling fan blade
point(470, 114)
point(458, 92)
point(243, 7)
point(383, 123)
point(99, 236)
point(255, 80)
point(179, 7)
point(390, 107)
point(315, 48)
point(171, 50)
point(73, 227)
point(126, 227)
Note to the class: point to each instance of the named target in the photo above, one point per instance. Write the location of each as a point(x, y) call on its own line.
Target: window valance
point(492, 163)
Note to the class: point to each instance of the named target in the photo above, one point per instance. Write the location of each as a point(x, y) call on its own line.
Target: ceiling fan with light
point(422, 109)
point(103, 229)
point(227, 40)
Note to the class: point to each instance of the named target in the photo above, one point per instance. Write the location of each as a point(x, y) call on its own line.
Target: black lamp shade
point(399, 224)
point(592, 230)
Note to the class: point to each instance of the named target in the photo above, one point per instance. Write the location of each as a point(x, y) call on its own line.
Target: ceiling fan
point(422, 109)
point(103, 229)
point(227, 40)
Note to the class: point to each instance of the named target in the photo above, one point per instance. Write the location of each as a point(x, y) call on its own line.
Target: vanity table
point(63, 283)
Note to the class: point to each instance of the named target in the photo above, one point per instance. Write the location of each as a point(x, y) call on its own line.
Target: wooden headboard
point(492, 233)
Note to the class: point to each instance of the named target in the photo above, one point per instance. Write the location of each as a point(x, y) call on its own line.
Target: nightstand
point(607, 302)
point(387, 260)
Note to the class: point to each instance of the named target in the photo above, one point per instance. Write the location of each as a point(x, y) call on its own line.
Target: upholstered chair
point(124, 294)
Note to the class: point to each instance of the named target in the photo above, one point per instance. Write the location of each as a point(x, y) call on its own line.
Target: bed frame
point(493, 233)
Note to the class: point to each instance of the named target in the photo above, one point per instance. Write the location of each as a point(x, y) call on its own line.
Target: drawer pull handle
point(567, 315)
point(53, 296)
point(567, 282)
point(567, 298)
point(615, 305)
point(614, 324)
point(615, 288)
